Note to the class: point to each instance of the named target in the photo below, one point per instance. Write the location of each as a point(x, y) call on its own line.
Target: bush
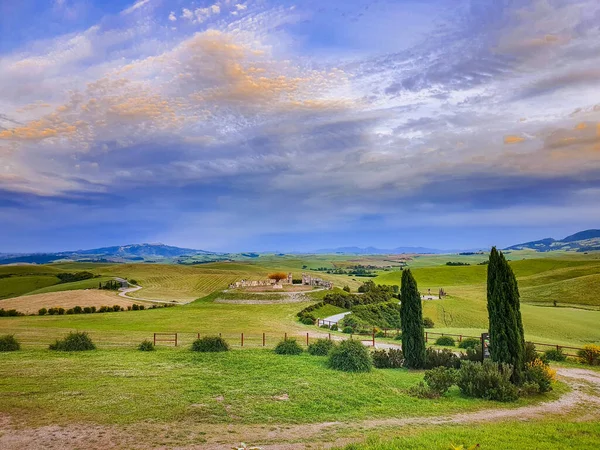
point(529, 388)
point(70, 311)
point(445, 340)
point(555, 355)
point(60, 311)
point(141, 307)
point(350, 356)
point(93, 309)
point(440, 379)
point(487, 380)
point(421, 390)
point(116, 308)
point(324, 326)
point(541, 374)
point(441, 358)
point(320, 347)
point(288, 347)
point(346, 288)
point(146, 346)
point(52, 311)
point(74, 342)
point(334, 327)
point(134, 307)
point(87, 310)
point(8, 343)
point(530, 352)
point(473, 354)
point(210, 344)
point(348, 330)
point(427, 322)
point(398, 337)
point(43, 312)
point(380, 334)
point(469, 343)
point(590, 354)
point(388, 359)
point(78, 310)
point(307, 320)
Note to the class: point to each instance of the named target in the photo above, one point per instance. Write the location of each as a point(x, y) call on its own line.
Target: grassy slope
point(84, 284)
point(121, 386)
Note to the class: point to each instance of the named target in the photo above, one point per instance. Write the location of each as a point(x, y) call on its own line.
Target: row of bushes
point(10, 313)
point(92, 309)
point(488, 380)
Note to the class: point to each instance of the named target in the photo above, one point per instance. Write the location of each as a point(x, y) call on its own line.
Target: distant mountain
point(584, 241)
point(381, 251)
point(124, 253)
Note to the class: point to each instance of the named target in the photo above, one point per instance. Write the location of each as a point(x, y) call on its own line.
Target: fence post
point(329, 336)
point(263, 339)
point(426, 336)
point(242, 339)
point(175, 339)
point(460, 338)
point(285, 337)
point(373, 339)
point(198, 335)
point(155, 339)
point(385, 332)
point(306, 338)
point(219, 334)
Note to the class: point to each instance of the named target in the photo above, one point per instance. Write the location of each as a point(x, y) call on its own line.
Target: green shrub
point(590, 354)
point(70, 311)
point(541, 374)
point(146, 346)
point(350, 356)
point(288, 347)
point(441, 358)
point(43, 312)
point(116, 308)
point(134, 307)
point(473, 354)
point(334, 327)
point(555, 355)
point(440, 379)
point(427, 322)
point(488, 380)
point(320, 347)
point(141, 307)
point(348, 330)
point(210, 344)
point(530, 354)
point(388, 359)
point(380, 334)
point(8, 343)
point(306, 320)
point(528, 388)
point(324, 326)
point(445, 340)
point(421, 390)
point(93, 309)
point(60, 311)
point(398, 337)
point(469, 343)
point(104, 309)
point(78, 310)
point(52, 311)
point(87, 310)
point(74, 342)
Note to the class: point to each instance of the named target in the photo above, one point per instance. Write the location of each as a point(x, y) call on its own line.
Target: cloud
point(137, 5)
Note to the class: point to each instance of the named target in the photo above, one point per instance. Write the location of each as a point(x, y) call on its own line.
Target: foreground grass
point(551, 433)
point(241, 386)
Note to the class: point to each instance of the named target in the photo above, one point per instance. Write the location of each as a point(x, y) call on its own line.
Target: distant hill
point(381, 251)
point(124, 253)
point(584, 241)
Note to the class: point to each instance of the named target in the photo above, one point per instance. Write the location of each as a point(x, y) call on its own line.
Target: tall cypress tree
point(507, 341)
point(411, 318)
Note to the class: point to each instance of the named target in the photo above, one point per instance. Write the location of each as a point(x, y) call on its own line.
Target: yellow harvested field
point(30, 304)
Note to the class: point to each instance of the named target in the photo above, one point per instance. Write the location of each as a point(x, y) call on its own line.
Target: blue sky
point(282, 125)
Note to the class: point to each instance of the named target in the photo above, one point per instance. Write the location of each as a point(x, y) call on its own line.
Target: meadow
point(117, 388)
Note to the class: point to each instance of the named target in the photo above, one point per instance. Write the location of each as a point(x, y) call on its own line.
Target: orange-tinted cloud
point(511, 139)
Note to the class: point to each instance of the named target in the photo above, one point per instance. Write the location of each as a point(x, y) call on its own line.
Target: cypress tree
point(507, 341)
point(411, 318)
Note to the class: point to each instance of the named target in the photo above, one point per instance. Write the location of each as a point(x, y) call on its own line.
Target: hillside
point(583, 241)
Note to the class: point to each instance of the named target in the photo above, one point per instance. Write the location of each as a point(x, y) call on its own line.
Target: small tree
point(278, 276)
point(507, 342)
point(411, 317)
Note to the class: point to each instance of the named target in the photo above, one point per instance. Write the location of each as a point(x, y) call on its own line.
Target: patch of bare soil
point(284, 297)
point(192, 435)
point(31, 304)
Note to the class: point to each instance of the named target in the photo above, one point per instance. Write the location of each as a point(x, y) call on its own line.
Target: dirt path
point(124, 291)
point(585, 393)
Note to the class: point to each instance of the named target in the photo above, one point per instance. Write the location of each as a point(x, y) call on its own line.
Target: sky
point(297, 125)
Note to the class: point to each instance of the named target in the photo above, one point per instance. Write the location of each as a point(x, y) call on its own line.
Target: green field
point(147, 393)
